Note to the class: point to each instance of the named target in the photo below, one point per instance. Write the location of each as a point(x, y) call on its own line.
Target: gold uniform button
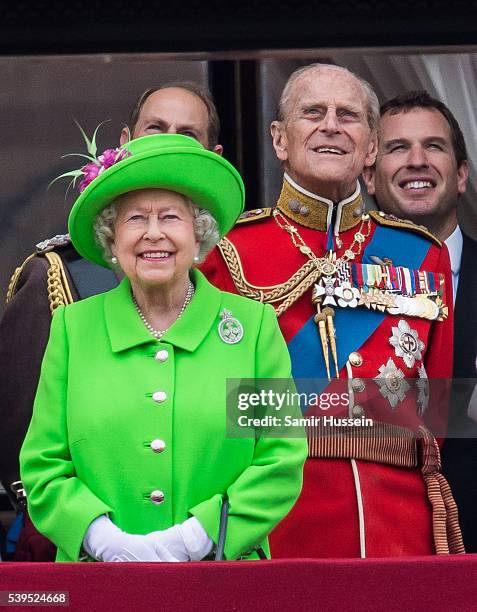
point(161, 355)
point(358, 411)
point(357, 385)
point(157, 497)
point(158, 445)
point(355, 359)
point(294, 205)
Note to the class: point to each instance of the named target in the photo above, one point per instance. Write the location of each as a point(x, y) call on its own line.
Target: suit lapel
point(465, 313)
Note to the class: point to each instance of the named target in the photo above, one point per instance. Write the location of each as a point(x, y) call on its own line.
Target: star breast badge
point(391, 382)
point(406, 343)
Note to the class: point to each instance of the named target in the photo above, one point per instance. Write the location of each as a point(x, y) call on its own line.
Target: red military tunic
point(361, 497)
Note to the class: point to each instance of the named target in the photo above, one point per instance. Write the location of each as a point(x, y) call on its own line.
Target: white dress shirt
point(454, 245)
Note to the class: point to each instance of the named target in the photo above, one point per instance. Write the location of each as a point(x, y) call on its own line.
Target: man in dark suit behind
point(420, 172)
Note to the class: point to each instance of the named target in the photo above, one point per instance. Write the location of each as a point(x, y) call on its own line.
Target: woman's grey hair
point(205, 229)
point(370, 95)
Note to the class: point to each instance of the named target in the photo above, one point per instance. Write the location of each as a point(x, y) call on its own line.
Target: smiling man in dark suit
point(420, 172)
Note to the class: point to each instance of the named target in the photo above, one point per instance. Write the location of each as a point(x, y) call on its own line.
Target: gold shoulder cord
point(59, 293)
point(287, 293)
point(12, 285)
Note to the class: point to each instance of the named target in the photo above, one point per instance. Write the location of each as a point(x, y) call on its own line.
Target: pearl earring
point(114, 260)
point(196, 259)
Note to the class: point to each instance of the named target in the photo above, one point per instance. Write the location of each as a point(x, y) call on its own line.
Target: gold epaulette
point(12, 285)
point(381, 218)
point(254, 215)
point(59, 292)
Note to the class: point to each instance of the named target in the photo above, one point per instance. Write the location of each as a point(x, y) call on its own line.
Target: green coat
point(87, 451)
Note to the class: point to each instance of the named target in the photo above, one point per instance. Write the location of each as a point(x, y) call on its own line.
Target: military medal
point(417, 306)
point(376, 299)
point(391, 382)
point(347, 295)
point(325, 288)
point(333, 274)
point(230, 329)
point(406, 343)
point(378, 286)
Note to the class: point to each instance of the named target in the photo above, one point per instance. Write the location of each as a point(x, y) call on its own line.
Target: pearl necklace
point(158, 333)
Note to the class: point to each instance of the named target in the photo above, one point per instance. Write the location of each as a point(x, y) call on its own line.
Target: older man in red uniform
point(364, 299)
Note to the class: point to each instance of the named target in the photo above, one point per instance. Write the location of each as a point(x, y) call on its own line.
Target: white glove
point(196, 539)
point(187, 541)
point(162, 553)
point(104, 541)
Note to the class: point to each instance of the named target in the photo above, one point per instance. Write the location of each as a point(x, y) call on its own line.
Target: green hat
point(164, 161)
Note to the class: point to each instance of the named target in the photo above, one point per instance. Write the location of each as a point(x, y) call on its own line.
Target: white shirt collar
point(454, 245)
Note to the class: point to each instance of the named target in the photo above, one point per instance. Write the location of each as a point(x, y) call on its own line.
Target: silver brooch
point(391, 382)
point(406, 343)
point(230, 329)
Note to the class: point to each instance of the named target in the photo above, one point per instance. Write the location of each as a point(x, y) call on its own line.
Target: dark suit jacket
point(459, 453)
point(465, 313)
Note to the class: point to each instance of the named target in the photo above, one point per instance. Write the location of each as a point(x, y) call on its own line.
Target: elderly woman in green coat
point(127, 457)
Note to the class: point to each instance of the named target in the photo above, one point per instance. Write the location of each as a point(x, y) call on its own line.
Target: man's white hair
point(370, 95)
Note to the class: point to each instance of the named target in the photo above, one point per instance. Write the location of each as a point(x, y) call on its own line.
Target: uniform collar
point(313, 211)
point(126, 329)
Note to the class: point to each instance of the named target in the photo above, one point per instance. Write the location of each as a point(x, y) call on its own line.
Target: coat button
point(158, 445)
point(358, 411)
point(358, 385)
point(355, 359)
point(159, 396)
point(161, 355)
point(157, 497)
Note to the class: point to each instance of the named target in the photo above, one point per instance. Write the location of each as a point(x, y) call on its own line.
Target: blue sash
point(355, 325)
